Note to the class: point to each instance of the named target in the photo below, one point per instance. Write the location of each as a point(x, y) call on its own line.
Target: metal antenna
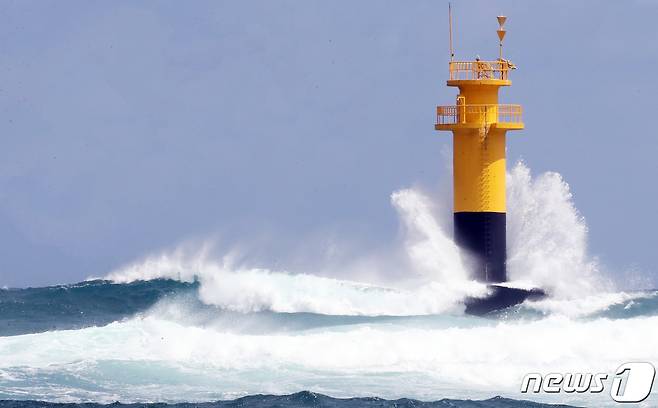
point(452, 51)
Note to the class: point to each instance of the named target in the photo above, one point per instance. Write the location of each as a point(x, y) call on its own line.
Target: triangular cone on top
point(501, 20)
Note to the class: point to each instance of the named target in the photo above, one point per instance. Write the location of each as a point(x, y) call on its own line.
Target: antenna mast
point(501, 34)
point(452, 51)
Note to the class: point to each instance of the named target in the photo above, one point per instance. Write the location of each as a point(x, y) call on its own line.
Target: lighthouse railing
point(478, 70)
point(480, 113)
point(510, 113)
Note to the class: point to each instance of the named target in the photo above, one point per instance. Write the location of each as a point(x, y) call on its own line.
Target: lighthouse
point(479, 124)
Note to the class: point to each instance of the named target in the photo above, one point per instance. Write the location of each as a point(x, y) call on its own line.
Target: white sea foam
point(547, 237)
point(435, 267)
point(547, 248)
point(587, 304)
point(431, 250)
point(245, 289)
point(179, 362)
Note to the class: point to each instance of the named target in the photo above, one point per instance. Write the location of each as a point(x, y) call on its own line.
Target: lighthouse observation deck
point(501, 116)
point(480, 70)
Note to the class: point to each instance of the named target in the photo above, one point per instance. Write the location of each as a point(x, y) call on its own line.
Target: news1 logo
point(632, 382)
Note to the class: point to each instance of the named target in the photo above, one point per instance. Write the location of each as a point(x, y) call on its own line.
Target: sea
point(190, 327)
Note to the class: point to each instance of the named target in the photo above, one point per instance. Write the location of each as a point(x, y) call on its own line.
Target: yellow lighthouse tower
point(479, 124)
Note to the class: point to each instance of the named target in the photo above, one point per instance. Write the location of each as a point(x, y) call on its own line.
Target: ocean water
point(387, 330)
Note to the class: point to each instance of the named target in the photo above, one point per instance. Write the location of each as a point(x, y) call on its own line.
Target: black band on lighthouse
point(482, 237)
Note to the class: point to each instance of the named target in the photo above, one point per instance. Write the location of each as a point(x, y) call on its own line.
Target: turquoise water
point(158, 341)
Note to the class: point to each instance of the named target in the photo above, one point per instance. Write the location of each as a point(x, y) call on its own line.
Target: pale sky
point(127, 127)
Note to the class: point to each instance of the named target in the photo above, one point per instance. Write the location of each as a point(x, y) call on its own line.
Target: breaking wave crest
point(547, 248)
point(238, 288)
